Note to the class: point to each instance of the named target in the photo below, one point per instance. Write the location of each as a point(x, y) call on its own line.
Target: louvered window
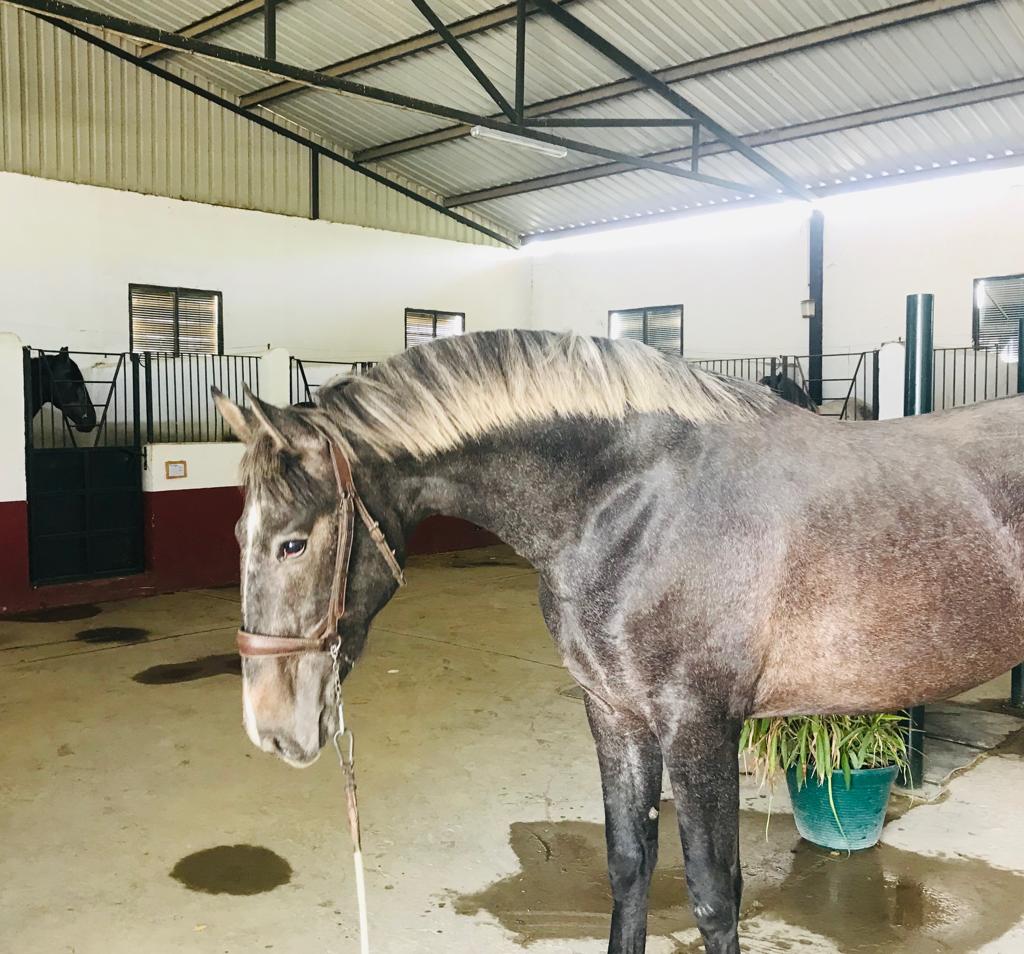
point(422, 325)
point(174, 320)
point(660, 327)
point(998, 309)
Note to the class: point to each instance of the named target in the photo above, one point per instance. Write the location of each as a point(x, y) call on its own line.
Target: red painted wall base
point(190, 543)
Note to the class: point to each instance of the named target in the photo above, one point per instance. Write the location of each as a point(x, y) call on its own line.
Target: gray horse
point(703, 558)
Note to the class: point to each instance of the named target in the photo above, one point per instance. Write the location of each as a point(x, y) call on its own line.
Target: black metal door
point(84, 486)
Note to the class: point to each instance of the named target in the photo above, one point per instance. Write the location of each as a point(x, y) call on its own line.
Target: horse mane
point(436, 397)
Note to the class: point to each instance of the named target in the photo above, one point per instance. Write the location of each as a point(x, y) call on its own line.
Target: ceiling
point(832, 93)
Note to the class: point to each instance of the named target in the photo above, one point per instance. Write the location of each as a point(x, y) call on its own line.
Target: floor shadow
point(226, 664)
point(112, 634)
point(54, 614)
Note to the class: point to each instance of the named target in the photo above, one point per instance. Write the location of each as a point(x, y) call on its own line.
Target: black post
point(149, 396)
point(816, 283)
point(917, 399)
point(136, 422)
point(314, 183)
point(519, 107)
point(270, 29)
point(874, 385)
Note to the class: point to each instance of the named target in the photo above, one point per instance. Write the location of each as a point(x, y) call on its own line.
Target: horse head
point(61, 383)
point(300, 547)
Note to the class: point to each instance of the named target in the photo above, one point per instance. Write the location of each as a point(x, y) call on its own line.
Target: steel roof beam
point(257, 119)
point(862, 25)
point(128, 28)
point(430, 40)
point(640, 73)
point(467, 61)
point(212, 22)
point(817, 127)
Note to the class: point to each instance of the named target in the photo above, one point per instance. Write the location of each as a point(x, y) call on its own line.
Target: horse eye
point(291, 548)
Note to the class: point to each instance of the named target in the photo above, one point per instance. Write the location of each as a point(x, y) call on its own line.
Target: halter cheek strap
point(325, 638)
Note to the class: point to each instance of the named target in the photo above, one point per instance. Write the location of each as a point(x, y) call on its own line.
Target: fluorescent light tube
point(499, 135)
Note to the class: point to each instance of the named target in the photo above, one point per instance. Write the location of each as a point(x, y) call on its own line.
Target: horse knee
point(628, 867)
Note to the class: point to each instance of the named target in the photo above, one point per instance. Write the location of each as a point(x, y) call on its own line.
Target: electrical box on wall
point(175, 469)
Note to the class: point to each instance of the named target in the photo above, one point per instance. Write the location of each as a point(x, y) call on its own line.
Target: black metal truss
point(313, 78)
point(316, 149)
point(858, 26)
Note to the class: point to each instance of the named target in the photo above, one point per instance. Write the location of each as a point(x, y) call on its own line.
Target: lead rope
point(344, 745)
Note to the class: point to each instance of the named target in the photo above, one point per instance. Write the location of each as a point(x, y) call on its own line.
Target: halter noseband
point(325, 638)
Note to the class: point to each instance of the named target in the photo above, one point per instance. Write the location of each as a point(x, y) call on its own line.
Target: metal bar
point(585, 122)
point(874, 385)
point(258, 120)
point(314, 184)
point(467, 61)
point(913, 775)
point(57, 8)
point(478, 23)
point(520, 94)
point(818, 36)
point(136, 425)
point(667, 93)
point(217, 20)
point(695, 148)
point(270, 29)
point(816, 284)
point(148, 377)
point(1017, 686)
point(818, 127)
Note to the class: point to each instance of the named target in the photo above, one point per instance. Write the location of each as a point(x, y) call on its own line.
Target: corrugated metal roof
point(977, 45)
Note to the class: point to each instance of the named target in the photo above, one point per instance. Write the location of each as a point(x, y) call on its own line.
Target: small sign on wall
point(175, 469)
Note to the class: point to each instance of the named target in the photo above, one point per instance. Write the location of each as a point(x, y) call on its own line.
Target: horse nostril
point(276, 743)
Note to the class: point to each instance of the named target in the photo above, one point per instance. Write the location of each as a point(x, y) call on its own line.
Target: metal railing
point(848, 383)
point(308, 375)
point(969, 375)
point(81, 399)
point(177, 405)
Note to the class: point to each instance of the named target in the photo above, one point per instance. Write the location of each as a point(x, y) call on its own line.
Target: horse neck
point(533, 486)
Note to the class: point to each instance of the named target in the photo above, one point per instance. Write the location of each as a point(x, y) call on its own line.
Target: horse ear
point(64, 350)
point(269, 417)
point(239, 419)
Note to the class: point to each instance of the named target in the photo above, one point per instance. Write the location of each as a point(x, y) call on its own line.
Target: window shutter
point(152, 317)
point(1000, 306)
point(198, 322)
point(627, 324)
point(665, 329)
point(419, 327)
point(422, 325)
point(448, 324)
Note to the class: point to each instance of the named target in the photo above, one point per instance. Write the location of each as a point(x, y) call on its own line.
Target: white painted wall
point(935, 236)
point(207, 465)
point(12, 421)
point(318, 289)
point(739, 274)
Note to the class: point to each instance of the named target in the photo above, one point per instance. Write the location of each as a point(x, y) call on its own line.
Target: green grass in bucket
point(819, 746)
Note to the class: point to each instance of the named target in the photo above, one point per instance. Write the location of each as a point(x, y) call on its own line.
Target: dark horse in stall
point(703, 558)
point(57, 380)
point(787, 389)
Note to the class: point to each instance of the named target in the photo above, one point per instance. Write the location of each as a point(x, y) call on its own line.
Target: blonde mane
point(433, 398)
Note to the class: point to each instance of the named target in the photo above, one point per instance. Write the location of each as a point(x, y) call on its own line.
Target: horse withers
point(703, 558)
point(57, 380)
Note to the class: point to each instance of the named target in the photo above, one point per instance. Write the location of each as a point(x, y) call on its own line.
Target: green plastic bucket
point(861, 808)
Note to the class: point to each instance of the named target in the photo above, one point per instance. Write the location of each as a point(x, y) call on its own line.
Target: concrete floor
point(136, 816)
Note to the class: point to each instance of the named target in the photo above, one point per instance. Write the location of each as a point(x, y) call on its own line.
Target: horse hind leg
point(703, 764)
point(631, 765)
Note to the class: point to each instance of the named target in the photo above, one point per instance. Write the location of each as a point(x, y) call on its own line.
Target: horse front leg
point(631, 764)
point(703, 764)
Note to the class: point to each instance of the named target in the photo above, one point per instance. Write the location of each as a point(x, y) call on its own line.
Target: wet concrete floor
point(137, 816)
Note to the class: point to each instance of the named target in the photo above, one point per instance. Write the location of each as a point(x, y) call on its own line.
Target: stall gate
point(83, 465)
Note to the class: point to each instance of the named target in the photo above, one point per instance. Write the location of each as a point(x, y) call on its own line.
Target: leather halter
point(325, 638)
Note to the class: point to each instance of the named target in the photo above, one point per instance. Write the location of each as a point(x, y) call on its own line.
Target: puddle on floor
point(225, 664)
point(878, 901)
point(112, 634)
point(233, 869)
point(54, 614)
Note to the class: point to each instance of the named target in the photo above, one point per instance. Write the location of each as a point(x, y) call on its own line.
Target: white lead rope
point(344, 744)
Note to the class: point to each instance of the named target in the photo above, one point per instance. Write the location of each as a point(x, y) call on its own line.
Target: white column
point(12, 418)
point(892, 361)
point(275, 369)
